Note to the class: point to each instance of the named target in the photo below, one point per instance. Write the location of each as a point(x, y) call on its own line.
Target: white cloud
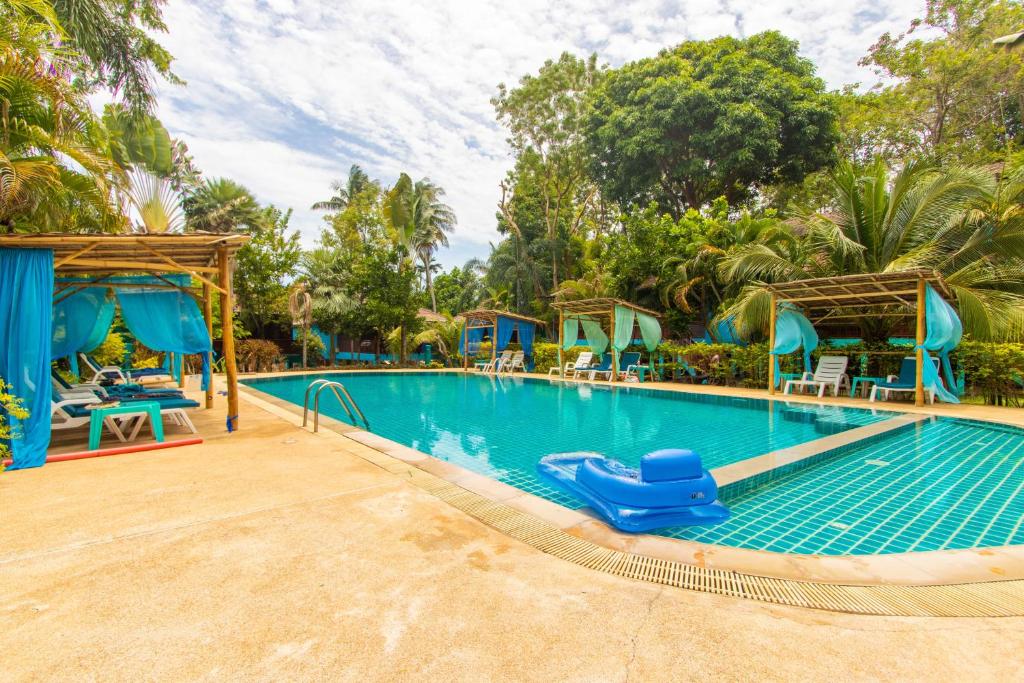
point(285, 95)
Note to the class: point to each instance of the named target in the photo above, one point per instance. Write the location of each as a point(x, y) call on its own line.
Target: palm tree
point(444, 336)
point(325, 274)
point(420, 222)
point(300, 305)
point(221, 205)
point(343, 193)
point(54, 174)
point(960, 222)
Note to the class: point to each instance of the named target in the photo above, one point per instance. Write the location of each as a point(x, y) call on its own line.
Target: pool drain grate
point(988, 599)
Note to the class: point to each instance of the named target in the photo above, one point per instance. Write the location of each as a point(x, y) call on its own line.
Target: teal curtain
point(527, 331)
point(26, 334)
point(944, 331)
point(793, 331)
point(623, 329)
point(596, 338)
point(650, 330)
point(570, 333)
point(166, 320)
point(81, 322)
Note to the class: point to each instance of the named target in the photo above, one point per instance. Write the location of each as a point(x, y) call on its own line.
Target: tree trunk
point(401, 350)
point(376, 350)
point(333, 340)
point(430, 288)
point(305, 335)
point(352, 349)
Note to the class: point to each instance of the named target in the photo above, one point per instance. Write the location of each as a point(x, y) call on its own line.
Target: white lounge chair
point(582, 365)
point(495, 365)
point(518, 360)
point(831, 372)
point(112, 372)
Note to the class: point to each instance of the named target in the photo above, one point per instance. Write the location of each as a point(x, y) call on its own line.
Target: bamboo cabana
point(598, 309)
point(95, 259)
point(487, 319)
point(851, 297)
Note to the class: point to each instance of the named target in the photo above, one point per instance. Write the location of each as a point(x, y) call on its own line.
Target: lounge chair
point(112, 372)
point(69, 411)
point(831, 372)
point(518, 360)
point(904, 382)
point(117, 391)
point(582, 364)
point(605, 367)
point(582, 361)
point(495, 365)
point(631, 361)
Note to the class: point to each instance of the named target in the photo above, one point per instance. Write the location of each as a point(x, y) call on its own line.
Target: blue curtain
point(504, 333)
point(476, 337)
point(527, 331)
point(26, 332)
point(81, 323)
point(943, 335)
point(792, 331)
point(166, 320)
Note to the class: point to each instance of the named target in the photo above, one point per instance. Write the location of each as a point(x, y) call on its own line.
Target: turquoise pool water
point(942, 484)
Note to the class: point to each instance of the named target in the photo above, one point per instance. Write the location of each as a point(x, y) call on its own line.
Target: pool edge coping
point(945, 568)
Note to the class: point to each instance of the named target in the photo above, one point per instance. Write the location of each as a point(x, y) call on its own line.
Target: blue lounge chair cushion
point(83, 411)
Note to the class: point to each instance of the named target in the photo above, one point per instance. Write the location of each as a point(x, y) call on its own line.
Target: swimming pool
point(891, 493)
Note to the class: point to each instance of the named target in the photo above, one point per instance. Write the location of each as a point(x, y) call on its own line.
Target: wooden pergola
point(487, 318)
point(206, 257)
point(850, 297)
point(599, 308)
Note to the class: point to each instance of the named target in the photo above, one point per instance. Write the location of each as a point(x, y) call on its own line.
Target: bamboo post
point(919, 352)
point(181, 372)
point(465, 347)
point(558, 336)
point(208, 317)
point(228, 333)
point(615, 353)
point(771, 343)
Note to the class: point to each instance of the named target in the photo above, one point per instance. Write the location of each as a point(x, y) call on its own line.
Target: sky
point(284, 96)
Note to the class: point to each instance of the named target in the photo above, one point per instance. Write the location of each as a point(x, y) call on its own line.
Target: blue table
point(105, 415)
point(865, 381)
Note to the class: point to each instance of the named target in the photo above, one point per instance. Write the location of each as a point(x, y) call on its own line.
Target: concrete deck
point(273, 553)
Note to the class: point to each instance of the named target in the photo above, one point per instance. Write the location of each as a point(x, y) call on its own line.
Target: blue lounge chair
point(603, 368)
point(113, 391)
point(905, 382)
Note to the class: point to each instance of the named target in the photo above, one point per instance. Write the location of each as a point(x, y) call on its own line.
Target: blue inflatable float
point(671, 488)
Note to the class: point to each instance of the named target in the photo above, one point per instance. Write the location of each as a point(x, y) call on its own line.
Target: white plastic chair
point(831, 372)
point(518, 360)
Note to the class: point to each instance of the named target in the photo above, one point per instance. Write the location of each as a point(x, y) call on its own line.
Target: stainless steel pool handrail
point(344, 398)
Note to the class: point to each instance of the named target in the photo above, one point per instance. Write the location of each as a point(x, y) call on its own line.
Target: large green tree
point(263, 267)
point(947, 91)
point(708, 119)
point(545, 115)
point(221, 205)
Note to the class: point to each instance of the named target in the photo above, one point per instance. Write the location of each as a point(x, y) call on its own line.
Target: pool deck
point(274, 553)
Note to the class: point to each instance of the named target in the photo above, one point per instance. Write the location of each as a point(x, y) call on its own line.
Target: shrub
point(112, 351)
point(258, 355)
point(13, 406)
point(144, 357)
point(545, 355)
point(994, 372)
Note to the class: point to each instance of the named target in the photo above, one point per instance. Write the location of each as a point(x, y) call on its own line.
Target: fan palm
point(343, 193)
point(958, 221)
point(156, 201)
